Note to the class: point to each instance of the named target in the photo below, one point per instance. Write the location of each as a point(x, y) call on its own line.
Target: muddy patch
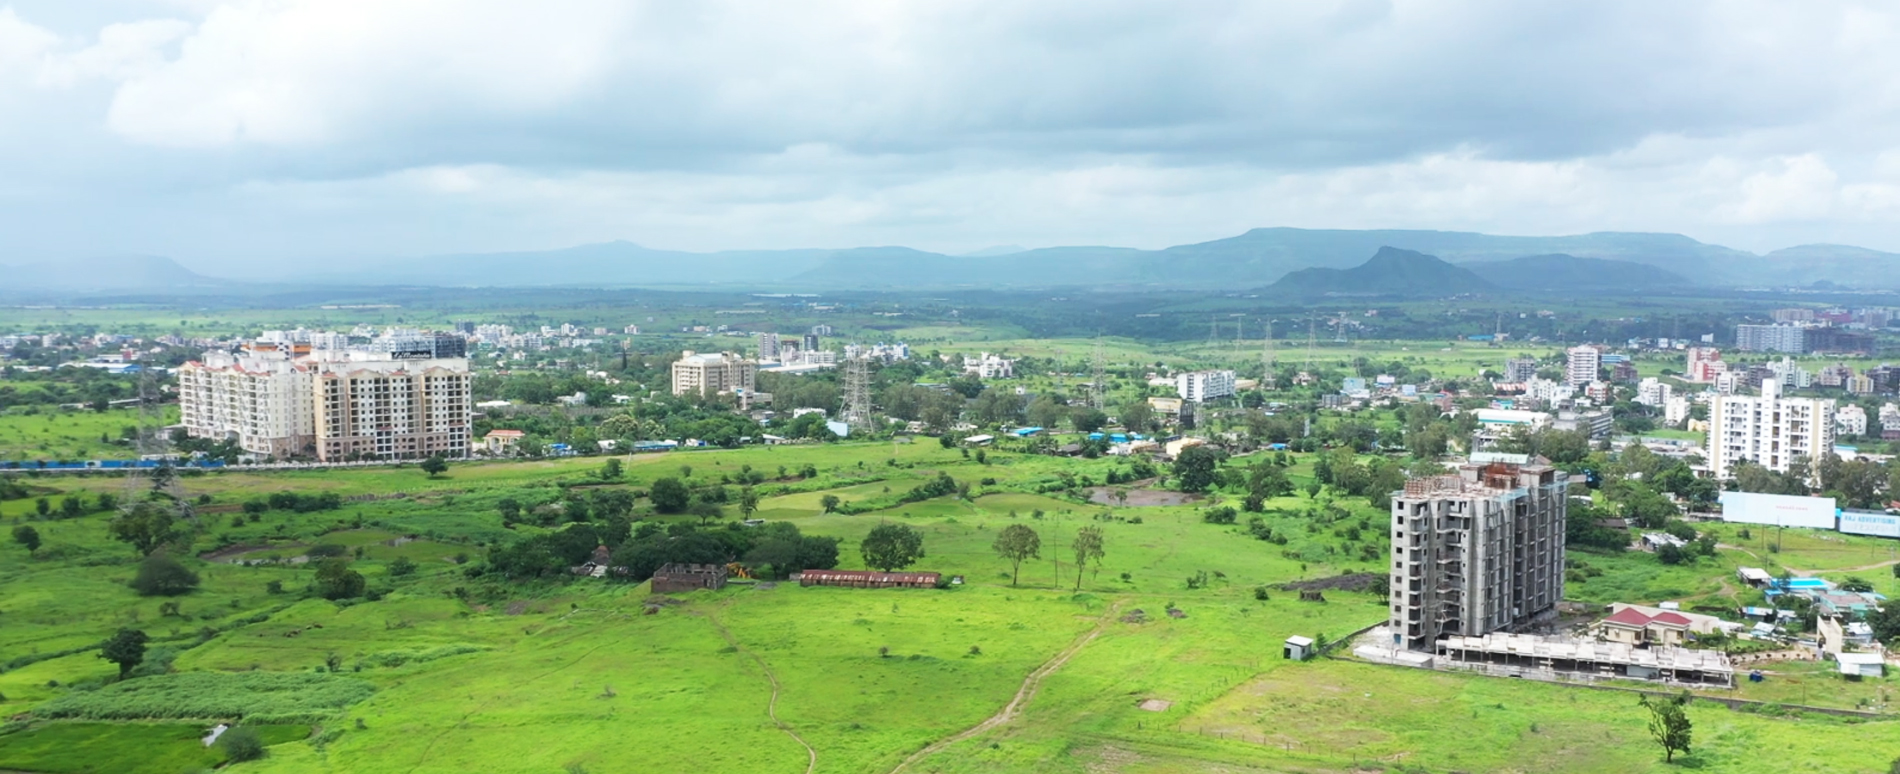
point(1155, 705)
point(1140, 498)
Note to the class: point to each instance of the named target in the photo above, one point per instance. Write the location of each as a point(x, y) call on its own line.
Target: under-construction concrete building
point(1477, 552)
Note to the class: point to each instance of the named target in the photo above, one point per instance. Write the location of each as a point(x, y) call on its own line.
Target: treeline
point(638, 552)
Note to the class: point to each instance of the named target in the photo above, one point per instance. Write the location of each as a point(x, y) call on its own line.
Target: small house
point(499, 442)
point(597, 565)
point(1297, 648)
point(1631, 626)
point(677, 577)
point(1857, 665)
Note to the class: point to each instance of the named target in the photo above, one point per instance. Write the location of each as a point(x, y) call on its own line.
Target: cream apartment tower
point(1478, 551)
point(709, 374)
point(1768, 430)
point(334, 406)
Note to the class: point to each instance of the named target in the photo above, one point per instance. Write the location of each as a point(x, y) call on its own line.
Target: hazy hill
point(1391, 272)
point(1559, 272)
point(109, 273)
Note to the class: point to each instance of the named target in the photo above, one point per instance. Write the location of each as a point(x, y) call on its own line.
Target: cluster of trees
point(644, 550)
point(1374, 480)
point(71, 506)
point(294, 502)
point(91, 386)
point(1018, 543)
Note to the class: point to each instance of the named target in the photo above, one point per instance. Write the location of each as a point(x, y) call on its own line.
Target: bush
point(322, 550)
point(161, 575)
point(402, 566)
point(1219, 515)
point(241, 744)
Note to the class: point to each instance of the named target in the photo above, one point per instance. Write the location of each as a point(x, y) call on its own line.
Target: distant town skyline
point(234, 133)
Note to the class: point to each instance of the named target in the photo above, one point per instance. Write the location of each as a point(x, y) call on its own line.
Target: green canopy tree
point(1669, 723)
point(1088, 547)
point(126, 648)
point(435, 465)
point(892, 547)
point(27, 536)
point(1016, 543)
point(147, 527)
point(162, 576)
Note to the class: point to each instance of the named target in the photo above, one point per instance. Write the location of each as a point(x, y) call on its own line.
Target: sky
point(246, 137)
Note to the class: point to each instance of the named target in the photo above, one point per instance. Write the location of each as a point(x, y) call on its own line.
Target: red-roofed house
point(1631, 626)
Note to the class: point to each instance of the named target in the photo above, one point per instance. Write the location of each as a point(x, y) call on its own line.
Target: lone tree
point(1669, 723)
point(27, 536)
point(892, 547)
point(748, 502)
point(127, 649)
point(242, 744)
point(147, 527)
point(435, 465)
point(335, 579)
point(669, 495)
point(1017, 543)
point(1198, 468)
point(610, 470)
point(830, 503)
point(1088, 547)
point(162, 576)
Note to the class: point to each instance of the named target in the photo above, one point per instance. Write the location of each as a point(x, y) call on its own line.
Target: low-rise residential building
point(501, 442)
point(1653, 392)
point(988, 366)
point(1703, 364)
point(1850, 420)
point(1677, 409)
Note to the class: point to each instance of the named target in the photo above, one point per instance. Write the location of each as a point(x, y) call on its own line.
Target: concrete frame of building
point(1477, 552)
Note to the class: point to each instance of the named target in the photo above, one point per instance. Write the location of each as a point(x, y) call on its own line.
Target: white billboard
point(1778, 510)
point(1870, 523)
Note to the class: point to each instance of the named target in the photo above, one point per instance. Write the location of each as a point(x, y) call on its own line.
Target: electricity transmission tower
point(1312, 337)
point(1266, 357)
point(1096, 387)
point(159, 485)
point(857, 391)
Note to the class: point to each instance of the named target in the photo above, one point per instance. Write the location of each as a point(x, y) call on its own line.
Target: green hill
point(1391, 272)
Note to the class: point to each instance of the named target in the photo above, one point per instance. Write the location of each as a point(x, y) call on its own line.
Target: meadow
point(70, 434)
point(448, 673)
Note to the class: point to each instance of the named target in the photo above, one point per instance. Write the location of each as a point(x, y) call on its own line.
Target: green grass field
point(587, 675)
point(78, 434)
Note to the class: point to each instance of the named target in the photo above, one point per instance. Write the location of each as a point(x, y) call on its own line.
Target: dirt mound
point(1358, 581)
point(1135, 616)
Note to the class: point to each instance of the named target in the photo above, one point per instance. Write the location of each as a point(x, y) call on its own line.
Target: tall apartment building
point(1768, 430)
point(1520, 369)
point(1582, 363)
point(710, 374)
point(1780, 337)
point(1203, 386)
point(331, 404)
point(1653, 392)
point(391, 409)
point(1478, 551)
point(1794, 315)
point(262, 400)
point(768, 348)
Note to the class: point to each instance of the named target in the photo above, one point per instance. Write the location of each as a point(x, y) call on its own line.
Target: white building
point(768, 348)
point(1203, 386)
point(1676, 409)
point(1791, 374)
point(1769, 430)
point(1889, 417)
point(1850, 420)
point(1653, 392)
point(1477, 552)
point(1582, 365)
point(988, 366)
point(1703, 364)
point(262, 401)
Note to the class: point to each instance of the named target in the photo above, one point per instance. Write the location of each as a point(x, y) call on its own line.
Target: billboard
point(1870, 523)
point(1778, 510)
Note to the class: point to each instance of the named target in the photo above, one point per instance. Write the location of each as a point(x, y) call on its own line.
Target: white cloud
point(425, 125)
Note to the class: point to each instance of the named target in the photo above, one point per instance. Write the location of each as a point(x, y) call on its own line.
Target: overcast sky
point(222, 133)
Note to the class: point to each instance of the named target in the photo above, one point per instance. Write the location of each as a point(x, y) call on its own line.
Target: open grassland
point(595, 675)
point(69, 434)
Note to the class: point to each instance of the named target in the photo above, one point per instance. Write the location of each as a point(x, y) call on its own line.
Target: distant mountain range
point(1605, 262)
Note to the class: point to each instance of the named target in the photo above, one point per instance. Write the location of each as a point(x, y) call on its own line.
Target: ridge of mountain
point(1390, 272)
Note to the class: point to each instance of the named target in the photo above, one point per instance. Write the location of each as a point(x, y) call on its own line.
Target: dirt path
point(1862, 568)
point(1023, 694)
point(771, 706)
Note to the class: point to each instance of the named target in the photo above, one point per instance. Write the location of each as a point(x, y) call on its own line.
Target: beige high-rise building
point(1768, 430)
point(392, 409)
point(331, 405)
point(709, 374)
point(262, 400)
point(1476, 552)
